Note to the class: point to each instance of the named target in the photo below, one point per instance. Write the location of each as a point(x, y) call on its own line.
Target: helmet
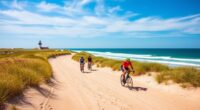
point(128, 59)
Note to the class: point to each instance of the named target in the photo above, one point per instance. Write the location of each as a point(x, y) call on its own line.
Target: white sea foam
point(149, 58)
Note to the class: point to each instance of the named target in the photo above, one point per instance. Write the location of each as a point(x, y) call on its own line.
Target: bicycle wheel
point(82, 68)
point(121, 80)
point(89, 67)
point(129, 82)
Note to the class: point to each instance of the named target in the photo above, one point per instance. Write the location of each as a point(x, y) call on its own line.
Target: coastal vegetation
point(22, 68)
point(186, 76)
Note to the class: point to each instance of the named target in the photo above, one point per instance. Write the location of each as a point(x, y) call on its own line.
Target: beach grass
point(140, 67)
point(182, 75)
point(20, 68)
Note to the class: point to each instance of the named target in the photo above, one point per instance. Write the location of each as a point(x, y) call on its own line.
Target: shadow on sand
point(24, 99)
point(137, 88)
point(94, 70)
point(20, 100)
point(86, 72)
point(2, 106)
point(90, 71)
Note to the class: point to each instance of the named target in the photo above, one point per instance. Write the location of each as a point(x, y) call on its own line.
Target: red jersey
point(126, 64)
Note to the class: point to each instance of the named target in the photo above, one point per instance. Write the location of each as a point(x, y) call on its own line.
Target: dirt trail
point(101, 90)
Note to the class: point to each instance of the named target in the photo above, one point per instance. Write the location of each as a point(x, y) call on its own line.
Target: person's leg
point(89, 65)
point(82, 66)
point(127, 73)
point(124, 73)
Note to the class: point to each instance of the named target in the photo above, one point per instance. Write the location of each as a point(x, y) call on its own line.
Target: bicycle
point(82, 68)
point(90, 66)
point(128, 80)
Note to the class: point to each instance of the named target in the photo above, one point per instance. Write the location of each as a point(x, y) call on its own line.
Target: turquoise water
point(175, 57)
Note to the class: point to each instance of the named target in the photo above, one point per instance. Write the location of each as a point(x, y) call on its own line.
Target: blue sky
point(100, 23)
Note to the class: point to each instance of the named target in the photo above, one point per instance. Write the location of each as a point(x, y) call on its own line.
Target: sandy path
point(101, 90)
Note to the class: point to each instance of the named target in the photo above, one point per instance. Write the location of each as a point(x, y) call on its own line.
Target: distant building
point(40, 45)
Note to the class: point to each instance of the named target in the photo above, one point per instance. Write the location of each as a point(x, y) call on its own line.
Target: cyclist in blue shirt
point(82, 62)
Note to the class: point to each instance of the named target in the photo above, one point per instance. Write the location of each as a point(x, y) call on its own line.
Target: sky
point(100, 23)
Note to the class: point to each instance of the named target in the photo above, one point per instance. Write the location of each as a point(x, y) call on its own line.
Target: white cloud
point(28, 18)
point(91, 20)
point(47, 6)
point(79, 22)
point(84, 2)
point(71, 7)
point(154, 24)
point(18, 5)
point(14, 4)
point(100, 8)
point(115, 9)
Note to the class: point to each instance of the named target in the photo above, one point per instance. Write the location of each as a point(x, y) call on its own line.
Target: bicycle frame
point(82, 67)
point(128, 80)
point(89, 65)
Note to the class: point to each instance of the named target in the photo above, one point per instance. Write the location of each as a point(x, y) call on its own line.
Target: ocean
point(171, 57)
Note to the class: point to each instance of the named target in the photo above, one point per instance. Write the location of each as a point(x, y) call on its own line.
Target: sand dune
point(101, 90)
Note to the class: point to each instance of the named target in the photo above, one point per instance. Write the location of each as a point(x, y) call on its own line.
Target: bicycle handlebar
point(132, 71)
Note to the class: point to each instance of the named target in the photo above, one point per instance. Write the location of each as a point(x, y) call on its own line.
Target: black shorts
point(82, 63)
point(127, 69)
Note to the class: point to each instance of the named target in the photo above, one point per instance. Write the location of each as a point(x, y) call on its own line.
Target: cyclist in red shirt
point(125, 67)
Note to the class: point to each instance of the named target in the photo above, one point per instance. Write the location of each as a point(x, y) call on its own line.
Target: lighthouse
point(40, 45)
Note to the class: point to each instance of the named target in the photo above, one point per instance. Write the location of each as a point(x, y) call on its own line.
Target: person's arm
point(123, 67)
point(131, 66)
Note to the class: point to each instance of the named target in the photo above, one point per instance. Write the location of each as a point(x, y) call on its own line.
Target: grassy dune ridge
point(186, 76)
point(21, 68)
